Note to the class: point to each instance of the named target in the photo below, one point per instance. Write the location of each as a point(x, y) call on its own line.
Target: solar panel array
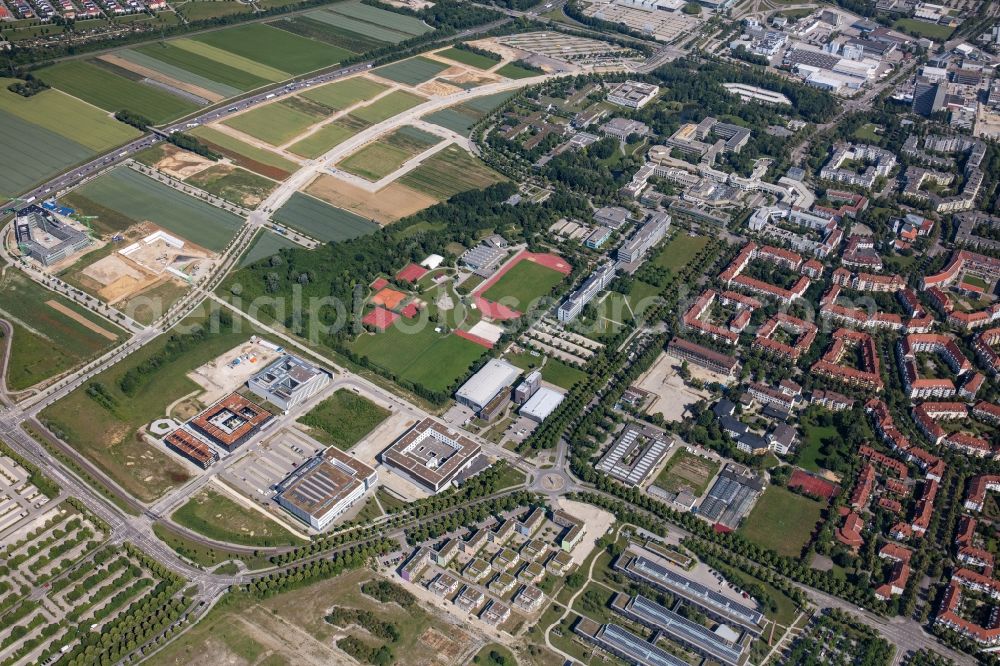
point(612, 462)
point(728, 501)
point(636, 648)
point(684, 630)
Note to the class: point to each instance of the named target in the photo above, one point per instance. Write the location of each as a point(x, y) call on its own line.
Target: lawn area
point(380, 158)
point(51, 334)
point(524, 283)
point(275, 48)
point(932, 31)
point(275, 123)
point(448, 172)
point(250, 157)
point(412, 71)
point(687, 470)
point(187, 60)
point(217, 516)
point(139, 198)
point(106, 428)
point(809, 454)
point(423, 357)
point(782, 521)
point(477, 60)
point(679, 251)
point(343, 419)
point(867, 133)
point(513, 71)
point(975, 281)
point(340, 95)
point(386, 107)
point(111, 92)
point(561, 374)
point(321, 220)
point(233, 184)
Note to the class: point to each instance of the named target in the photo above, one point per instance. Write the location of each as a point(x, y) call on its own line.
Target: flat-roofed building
point(470, 598)
point(495, 613)
point(443, 585)
point(188, 445)
point(633, 94)
point(476, 570)
point(231, 422)
point(325, 487)
point(431, 455)
point(486, 384)
point(529, 598)
point(635, 454)
point(593, 285)
point(289, 381)
point(43, 237)
point(541, 404)
point(623, 643)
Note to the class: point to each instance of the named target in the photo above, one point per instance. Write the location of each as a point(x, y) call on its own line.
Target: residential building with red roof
point(804, 335)
point(830, 365)
point(975, 497)
point(985, 345)
point(849, 533)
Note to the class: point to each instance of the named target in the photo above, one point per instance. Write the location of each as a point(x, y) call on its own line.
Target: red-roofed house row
point(830, 364)
point(804, 332)
point(985, 345)
point(962, 261)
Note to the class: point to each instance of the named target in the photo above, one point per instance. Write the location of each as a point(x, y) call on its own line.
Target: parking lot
point(269, 462)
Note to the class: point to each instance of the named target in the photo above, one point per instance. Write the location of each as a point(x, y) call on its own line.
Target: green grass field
point(326, 137)
point(47, 342)
point(343, 419)
point(275, 123)
point(275, 48)
point(409, 25)
point(386, 107)
point(687, 470)
point(469, 58)
point(264, 246)
point(380, 158)
point(423, 357)
point(512, 71)
point(809, 454)
point(233, 184)
point(230, 59)
point(109, 437)
point(113, 93)
point(139, 198)
point(215, 515)
point(449, 172)
point(41, 154)
point(562, 374)
point(679, 251)
point(975, 281)
point(454, 118)
point(340, 95)
point(932, 31)
point(867, 132)
point(201, 10)
point(523, 284)
point(321, 220)
point(782, 521)
point(412, 71)
point(250, 157)
point(175, 56)
point(144, 59)
point(307, 26)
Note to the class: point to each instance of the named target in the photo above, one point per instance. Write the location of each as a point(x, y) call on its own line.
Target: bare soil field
point(389, 204)
point(181, 164)
point(672, 396)
point(80, 319)
point(438, 88)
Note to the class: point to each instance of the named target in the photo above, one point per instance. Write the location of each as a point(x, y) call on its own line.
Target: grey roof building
point(44, 238)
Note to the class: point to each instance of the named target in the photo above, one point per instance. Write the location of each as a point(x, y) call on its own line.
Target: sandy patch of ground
point(474, 77)
point(502, 50)
point(218, 379)
point(114, 278)
point(204, 93)
point(389, 204)
point(596, 524)
point(181, 164)
point(438, 88)
point(80, 319)
point(672, 397)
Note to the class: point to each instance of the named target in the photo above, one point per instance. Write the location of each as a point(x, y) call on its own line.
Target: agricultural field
point(386, 107)
point(391, 203)
point(380, 158)
point(266, 245)
point(215, 515)
point(340, 95)
point(423, 357)
point(172, 55)
point(111, 92)
point(233, 184)
point(51, 334)
point(477, 60)
point(514, 71)
point(412, 71)
point(526, 282)
point(448, 172)
point(75, 581)
point(782, 521)
point(274, 48)
point(147, 66)
point(687, 470)
point(140, 199)
point(50, 132)
point(320, 220)
point(201, 10)
point(255, 159)
point(327, 137)
point(343, 419)
point(275, 123)
point(462, 117)
point(104, 420)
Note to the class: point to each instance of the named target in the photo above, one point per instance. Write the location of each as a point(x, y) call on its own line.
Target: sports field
point(412, 71)
point(423, 357)
point(173, 55)
point(139, 198)
point(320, 220)
point(327, 137)
point(687, 470)
point(782, 521)
point(112, 93)
point(449, 172)
point(51, 334)
point(380, 158)
point(341, 94)
point(469, 58)
point(343, 419)
point(253, 158)
point(386, 107)
point(275, 48)
point(275, 123)
point(523, 284)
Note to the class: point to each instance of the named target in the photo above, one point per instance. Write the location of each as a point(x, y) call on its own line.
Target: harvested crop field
point(382, 157)
point(449, 172)
point(389, 204)
point(320, 220)
point(386, 107)
point(250, 157)
point(139, 198)
point(412, 71)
